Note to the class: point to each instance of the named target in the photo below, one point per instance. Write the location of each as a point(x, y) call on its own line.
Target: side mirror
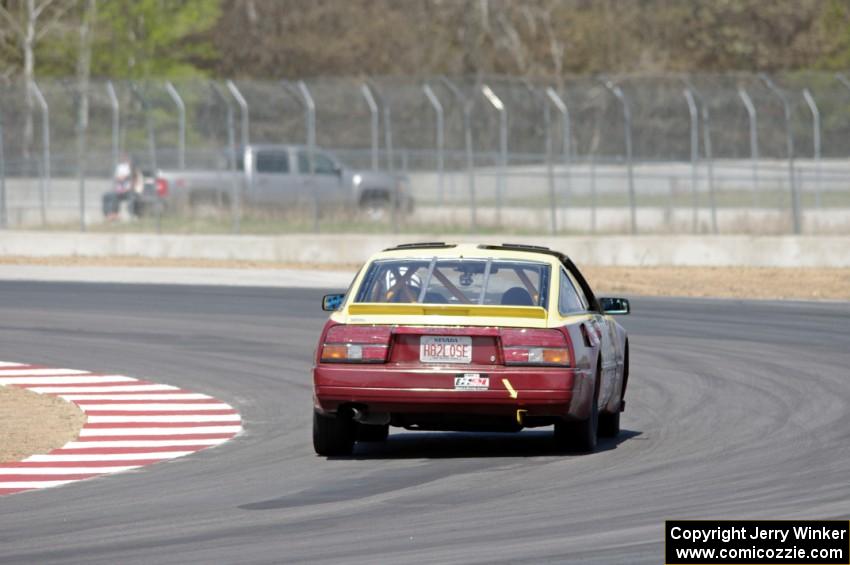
point(615, 306)
point(332, 302)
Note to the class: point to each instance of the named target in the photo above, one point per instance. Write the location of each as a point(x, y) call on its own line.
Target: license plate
point(445, 349)
point(472, 381)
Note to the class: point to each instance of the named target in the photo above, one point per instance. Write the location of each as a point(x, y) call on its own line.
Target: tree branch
point(514, 43)
point(39, 9)
point(55, 19)
point(17, 28)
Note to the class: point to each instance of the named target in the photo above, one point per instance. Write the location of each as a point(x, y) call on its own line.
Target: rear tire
point(369, 433)
point(609, 424)
point(580, 436)
point(332, 435)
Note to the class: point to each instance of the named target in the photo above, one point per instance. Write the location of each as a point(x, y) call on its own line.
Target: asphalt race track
point(735, 410)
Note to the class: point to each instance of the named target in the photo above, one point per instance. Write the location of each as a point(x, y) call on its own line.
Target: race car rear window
point(456, 281)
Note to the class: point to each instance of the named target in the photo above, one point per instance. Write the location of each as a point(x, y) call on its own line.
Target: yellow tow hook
point(520, 416)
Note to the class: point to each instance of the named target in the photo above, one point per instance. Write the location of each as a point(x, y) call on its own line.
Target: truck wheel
point(375, 206)
point(369, 433)
point(332, 435)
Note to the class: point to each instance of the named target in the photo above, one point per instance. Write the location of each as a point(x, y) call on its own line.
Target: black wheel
point(375, 207)
point(580, 436)
point(366, 432)
point(332, 435)
point(609, 424)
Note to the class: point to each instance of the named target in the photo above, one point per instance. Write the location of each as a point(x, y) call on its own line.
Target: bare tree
point(87, 20)
point(32, 20)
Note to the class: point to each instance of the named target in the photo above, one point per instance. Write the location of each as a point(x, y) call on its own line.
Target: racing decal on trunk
point(472, 381)
point(130, 423)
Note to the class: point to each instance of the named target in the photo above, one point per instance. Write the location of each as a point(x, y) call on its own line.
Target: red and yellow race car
point(436, 336)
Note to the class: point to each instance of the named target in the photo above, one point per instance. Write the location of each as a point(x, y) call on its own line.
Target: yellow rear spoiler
point(471, 310)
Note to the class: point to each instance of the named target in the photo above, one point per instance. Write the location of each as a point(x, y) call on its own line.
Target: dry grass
point(724, 282)
point(33, 423)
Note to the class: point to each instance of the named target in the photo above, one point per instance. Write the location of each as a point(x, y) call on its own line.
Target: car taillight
point(161, 187)
point(535, 347)
point(356, 344)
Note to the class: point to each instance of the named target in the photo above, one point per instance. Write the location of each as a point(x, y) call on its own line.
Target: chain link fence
point(730, 153)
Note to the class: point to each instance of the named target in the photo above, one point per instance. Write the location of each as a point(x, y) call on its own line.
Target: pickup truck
point(279, 176)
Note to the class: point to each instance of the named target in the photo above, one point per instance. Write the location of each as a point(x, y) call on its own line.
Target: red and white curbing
point(130, 423)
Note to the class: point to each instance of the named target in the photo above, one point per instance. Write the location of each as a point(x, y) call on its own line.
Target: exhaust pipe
point(363, 416)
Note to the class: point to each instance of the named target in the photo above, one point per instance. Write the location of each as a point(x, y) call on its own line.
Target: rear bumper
point(544, 392)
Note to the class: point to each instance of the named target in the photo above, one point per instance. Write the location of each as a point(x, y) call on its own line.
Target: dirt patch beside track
point(724, 282)
point(719, 282)
point(33, 423)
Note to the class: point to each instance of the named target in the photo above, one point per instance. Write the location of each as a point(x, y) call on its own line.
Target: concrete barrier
point(350, 249)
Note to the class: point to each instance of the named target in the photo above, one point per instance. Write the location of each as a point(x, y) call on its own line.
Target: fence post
point(692, 110)
point(384, 105)
point(627, 121)
point(388, 137)
point(3, 211)
point(593, 195)
point(310, 116)
point(243, 113)
point(294, 92)
point(235, 197)
point(843, 80)
point(566, 134)
point(550, 168)
point(499, 106)
point(306, 100)
point(245, 123)
point(45, 148)
point(388, 141)
point(813, 108)
point(441, 140)
point(373, 109)
point(81, 131)
point(789, 140)
point(466, 105)
point(149, 125)
point(181, 124)
point(116, 117)
point(709, 156)
point(754, 140)
point(709, 163)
